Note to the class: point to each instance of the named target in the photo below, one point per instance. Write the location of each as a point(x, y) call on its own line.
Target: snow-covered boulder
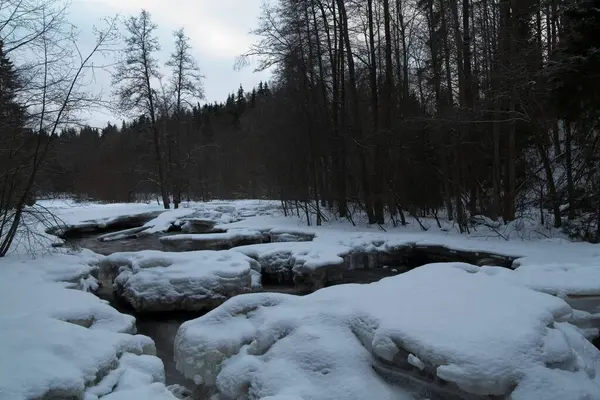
point(212, 241)
point(286, 235)
point(156, 281)
point(198, 225)
point(167, 220)
point(304, 264)
point(576, 282)
point(438, 331)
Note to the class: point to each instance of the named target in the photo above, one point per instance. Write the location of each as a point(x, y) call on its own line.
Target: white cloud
point(218, 29)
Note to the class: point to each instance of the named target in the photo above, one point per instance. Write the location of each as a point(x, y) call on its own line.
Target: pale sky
point(218, 29)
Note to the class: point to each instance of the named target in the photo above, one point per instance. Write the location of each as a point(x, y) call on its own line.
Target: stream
point(162, 328)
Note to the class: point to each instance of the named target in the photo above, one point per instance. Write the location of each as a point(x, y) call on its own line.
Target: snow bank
point(211, 241)
point(159, 281)
point(129, 220)
point(556, 266)
point(296, 262)
point(58, 342)
point(578, 285)
point(478, 334)
point(162, 223)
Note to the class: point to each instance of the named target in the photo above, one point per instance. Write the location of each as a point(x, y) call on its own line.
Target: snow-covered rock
point(163, 222)
point(156, 281)
point(304, 264)
point(198, 225)
point(287, 235)
point(578, 284)
point(127, 221)
point(57, 342)
point(438, 331)
point(211, 241)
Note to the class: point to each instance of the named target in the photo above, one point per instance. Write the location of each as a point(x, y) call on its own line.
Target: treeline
point(208, 152)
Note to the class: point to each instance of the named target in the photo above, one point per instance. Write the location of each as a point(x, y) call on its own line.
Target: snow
point(211, 241)
point(485, 330)
point(58, 341)
point(162, 223)
point(482, 334)
point(160, 281)
point(74, 213)
point(134, 371)
point(286, 262)
point(550, 265)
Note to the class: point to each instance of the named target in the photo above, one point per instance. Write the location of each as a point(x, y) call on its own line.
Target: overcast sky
point(218, 29)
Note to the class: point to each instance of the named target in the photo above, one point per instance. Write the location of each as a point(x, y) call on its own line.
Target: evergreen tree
point(253, 98)
point(240, 100)
point(577, 77)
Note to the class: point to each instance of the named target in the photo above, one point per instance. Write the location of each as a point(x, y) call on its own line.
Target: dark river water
point(162, 328)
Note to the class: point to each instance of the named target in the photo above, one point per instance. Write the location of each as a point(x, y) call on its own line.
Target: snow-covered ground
point(481, 330)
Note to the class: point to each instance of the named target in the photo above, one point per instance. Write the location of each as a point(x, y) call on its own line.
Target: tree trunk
point(355, 120)
point(569, 167)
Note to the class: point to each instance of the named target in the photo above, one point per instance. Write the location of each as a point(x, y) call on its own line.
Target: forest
point(391, 108)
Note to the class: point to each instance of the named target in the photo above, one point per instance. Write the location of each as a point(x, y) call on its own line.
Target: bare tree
point(186, 87)
point(134, 77)
point(49, 91)
point(186, 79)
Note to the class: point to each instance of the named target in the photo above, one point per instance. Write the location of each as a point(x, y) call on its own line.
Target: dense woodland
point(391, 107)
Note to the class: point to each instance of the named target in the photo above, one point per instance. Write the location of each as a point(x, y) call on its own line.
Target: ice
point(415, 361)
point(480, 334)
point(161, 281)
point(482, 329)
